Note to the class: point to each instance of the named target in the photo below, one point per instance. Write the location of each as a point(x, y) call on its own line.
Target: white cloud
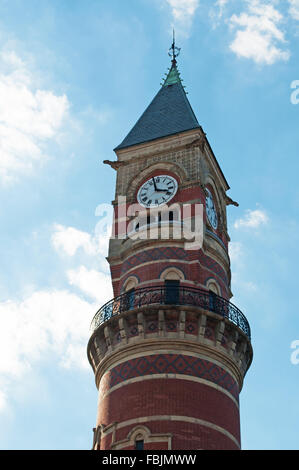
point(258, 36)
point(48, 324)
point(53, 324)
point(93, 283)
point(235, 252)
point(252, 219)
point(294, 9)
point(183, 12)
point(29, 117)
point(217, 10)
point(221, 4)
point(47, 320)
point(3, 401)
point(70, 239)
point(42, 326)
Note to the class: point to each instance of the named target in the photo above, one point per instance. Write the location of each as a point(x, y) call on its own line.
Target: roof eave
point(120, 147)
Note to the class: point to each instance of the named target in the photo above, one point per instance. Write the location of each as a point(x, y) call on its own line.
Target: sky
point(74, 78)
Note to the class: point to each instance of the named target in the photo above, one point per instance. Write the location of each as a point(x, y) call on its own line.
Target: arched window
point(129, 289)
point(214, 290)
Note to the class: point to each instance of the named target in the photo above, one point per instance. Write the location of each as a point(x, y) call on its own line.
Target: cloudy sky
point(74, 78)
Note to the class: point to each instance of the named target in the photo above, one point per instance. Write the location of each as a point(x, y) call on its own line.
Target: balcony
point(172, 296)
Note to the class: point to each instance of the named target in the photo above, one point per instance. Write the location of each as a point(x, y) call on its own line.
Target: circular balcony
point(168, 295)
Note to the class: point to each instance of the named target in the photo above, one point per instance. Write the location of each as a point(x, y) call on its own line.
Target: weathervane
point(173, 50)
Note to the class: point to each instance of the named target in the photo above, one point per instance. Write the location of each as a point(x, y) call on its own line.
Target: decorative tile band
point(153, 255)
point(166, 253)
point(172, 364)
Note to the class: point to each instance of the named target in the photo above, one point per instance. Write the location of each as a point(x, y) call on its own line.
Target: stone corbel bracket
point(199, 142)
point(230, 202)
point(115, 165)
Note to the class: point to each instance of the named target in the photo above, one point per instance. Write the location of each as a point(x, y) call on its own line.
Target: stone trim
point(145, 433)
point(187, 419)
point(168, 346)
point(189, 378)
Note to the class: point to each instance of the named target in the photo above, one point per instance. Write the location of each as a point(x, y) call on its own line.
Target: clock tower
point(170, 350)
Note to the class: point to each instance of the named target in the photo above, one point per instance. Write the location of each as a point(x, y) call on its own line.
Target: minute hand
point(155, 184)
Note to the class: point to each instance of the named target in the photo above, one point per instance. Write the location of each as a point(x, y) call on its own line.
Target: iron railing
point(171, 295)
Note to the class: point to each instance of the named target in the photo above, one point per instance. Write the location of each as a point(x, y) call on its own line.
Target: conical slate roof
point(169, 113)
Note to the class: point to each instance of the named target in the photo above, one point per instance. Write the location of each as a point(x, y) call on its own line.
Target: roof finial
point(173, 50)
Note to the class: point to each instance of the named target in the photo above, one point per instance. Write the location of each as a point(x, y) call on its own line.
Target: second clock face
point(211, 210)
point(157, 191)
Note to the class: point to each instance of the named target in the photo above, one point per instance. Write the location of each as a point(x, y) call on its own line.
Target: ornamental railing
point(171, 295)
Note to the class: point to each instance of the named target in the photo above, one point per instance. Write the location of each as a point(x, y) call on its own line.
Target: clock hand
point(156, 189)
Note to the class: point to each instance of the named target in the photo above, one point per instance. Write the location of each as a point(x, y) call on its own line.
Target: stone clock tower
point(170, 351)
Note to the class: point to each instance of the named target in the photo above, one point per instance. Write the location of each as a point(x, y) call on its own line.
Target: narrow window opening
point(212, 300)
point(139, 445)
point(130, 298)
point(172, 292)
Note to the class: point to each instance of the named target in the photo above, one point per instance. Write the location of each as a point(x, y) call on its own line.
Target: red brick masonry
point(203, 416)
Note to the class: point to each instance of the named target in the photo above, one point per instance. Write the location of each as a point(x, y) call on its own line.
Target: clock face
point(157, 191)
point(211, 211)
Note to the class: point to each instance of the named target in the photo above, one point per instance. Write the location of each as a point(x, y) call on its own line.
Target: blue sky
point(74, 78)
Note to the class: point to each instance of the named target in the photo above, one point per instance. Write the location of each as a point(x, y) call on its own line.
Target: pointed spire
point(169, 113)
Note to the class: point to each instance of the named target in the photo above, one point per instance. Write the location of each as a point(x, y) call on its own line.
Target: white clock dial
point(157, 191)
point(211, 210)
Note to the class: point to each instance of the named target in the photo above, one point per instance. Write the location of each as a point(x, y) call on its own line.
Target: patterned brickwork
point(162, 253)
point(213, 266)
point(170, 364)
point(193, 272)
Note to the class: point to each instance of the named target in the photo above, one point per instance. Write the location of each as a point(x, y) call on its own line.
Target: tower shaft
point(170, 351)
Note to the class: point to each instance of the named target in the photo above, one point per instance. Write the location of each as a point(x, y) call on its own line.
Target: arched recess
point(172, 274)
point(142, 434)
point(213, 286)
point(130, 283)
point(164, 166)
point(139, 434)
